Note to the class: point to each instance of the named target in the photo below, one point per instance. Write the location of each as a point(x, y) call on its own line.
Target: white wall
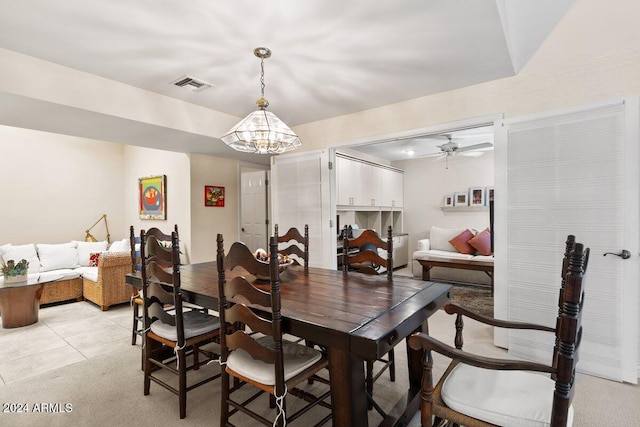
point(140, 162)
point(207, 222)
point(425, 184)
point(54, 187)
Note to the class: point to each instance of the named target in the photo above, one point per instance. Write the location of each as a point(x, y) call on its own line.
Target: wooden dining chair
point(481, 391)
point(182, 333)
point(367, 260)
point(255, 354)
point(136, 299)
point(294, 249)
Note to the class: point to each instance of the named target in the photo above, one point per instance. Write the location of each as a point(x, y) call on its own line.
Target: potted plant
point(13, 272)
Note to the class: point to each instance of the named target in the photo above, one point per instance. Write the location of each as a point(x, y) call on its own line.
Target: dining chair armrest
point(420, 340)
point(453, 308)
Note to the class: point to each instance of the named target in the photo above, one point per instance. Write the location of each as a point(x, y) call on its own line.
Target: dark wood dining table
point(355, 316)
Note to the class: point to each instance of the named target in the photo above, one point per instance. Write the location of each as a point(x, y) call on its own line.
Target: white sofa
point(89, 270)
point(438, 246)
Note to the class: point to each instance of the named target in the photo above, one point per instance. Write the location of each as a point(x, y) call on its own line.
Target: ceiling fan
point(451, 148)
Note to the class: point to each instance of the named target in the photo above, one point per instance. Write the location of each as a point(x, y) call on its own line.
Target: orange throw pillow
point(461, 242)
point(482, 242)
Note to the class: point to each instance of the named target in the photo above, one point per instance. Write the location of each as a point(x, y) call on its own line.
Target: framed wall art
point(476, 196)
point(213, 196)
point(488, 197)
point(460, 199)
point(153, 197)
point(448, 200)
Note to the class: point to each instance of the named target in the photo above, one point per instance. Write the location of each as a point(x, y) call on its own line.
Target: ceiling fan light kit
point(261, 132)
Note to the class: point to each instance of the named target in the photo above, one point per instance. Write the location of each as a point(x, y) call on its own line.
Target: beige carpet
point(107, 391)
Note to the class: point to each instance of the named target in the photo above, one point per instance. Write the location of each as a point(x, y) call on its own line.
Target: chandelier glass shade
point(261, 132)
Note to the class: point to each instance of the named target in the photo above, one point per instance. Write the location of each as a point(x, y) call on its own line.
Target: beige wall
point(207, 222)
point(140, 162)
point(54, 187)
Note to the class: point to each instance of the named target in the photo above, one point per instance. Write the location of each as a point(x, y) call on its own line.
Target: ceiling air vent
point(192, 83)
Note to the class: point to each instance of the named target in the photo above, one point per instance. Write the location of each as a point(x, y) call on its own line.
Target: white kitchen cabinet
point(365, 184)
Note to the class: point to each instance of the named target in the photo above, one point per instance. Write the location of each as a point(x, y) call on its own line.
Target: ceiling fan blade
point(475, 147)
point(472, 153)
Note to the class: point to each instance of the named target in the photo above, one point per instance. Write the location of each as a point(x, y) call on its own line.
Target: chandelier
point(261, 131)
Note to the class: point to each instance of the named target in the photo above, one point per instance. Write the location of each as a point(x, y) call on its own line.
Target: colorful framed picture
point(153, 197)
point(448, 200)
point(476, 196)
point(213, 196)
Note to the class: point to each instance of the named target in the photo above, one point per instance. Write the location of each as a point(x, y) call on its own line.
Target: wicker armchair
point(110, 289)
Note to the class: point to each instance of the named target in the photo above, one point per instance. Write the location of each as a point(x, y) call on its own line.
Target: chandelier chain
point(262, 76)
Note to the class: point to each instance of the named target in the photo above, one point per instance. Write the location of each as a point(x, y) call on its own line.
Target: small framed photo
point(488, 196)
point(448, 200)
point(460, 199)
point(476, 196)
point(213, 196)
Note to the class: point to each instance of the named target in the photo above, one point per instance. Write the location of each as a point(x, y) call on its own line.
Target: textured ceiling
point(330, 57)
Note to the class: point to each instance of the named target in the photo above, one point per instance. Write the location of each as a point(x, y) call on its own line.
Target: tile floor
point(65, 334)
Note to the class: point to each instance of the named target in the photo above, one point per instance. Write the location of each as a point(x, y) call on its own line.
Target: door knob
point(242, 229)
point(625, 254)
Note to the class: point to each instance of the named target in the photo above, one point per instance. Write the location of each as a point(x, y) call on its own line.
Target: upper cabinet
point(364, 184)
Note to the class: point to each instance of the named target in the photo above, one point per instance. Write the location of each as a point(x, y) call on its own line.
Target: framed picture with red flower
point(213, 196)
point(153, 197)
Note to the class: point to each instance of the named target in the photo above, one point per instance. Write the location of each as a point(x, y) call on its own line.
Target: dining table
point(354, 316)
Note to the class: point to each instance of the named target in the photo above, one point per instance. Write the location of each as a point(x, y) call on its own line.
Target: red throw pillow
point(461, 242)
point(482, 242)
point(94, 257)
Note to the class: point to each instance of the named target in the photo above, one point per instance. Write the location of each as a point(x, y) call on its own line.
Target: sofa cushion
point(94, 259)
point(86, 248)
point(440, 254)
point(67, 274)
point(20, 252)
point(120, 246)
point(439, 238)
point(90, 273)
point(461, 242)
point(482, 242)
point(3, 248)
point(55, 257)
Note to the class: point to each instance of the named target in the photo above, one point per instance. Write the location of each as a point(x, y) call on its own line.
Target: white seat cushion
point(90, 273)
point(66, 273)
point(57, 256)
point(297, 358)
point(195, 323)
point(433, 253)
point(505, 398)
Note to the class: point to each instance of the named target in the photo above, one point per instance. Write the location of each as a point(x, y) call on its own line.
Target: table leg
point(348, 396)
point(426, 272)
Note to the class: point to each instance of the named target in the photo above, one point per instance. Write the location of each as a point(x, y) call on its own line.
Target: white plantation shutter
point(572, 173)
point(300, 195)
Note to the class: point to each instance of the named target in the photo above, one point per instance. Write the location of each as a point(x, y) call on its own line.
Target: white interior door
point(572, 172)
point(300, 195)
point(253, 214)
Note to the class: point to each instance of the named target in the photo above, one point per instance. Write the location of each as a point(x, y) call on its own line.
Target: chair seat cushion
point(505, 398)
point(297, 358)
point(195, 323)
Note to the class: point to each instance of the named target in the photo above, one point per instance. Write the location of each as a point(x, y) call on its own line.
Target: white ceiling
point(330, 57)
